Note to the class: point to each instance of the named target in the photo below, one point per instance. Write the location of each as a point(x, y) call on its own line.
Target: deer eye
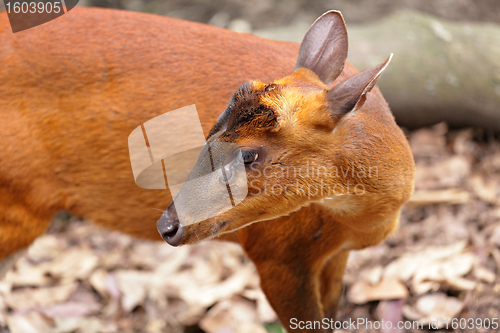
point(247, 157)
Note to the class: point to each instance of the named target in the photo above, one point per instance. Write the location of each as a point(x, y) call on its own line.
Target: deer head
point(281, 144)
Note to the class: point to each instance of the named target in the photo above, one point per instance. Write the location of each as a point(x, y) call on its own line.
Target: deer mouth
point(202, 230)
point(179, 230)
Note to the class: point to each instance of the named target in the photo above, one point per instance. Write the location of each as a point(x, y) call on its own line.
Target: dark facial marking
point(245, 110)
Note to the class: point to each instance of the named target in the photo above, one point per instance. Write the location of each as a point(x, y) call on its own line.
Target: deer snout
point(169, 226)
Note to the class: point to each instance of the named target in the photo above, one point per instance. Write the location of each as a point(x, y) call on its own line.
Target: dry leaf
point(84, 325)
point(71, 309)
point(31, 322)
point(372, 275)
point(173, 263)
point(208, 295)
point(449, 173)
point(486, 188)
point(3, 309)
point(250, 328)
point(434, 307)
point(429, 141)
point(133, 286)
point(155, 326)
point(449, 271)
point(462, 143)
point(408, 264)
point(45, 247)
point(484, 274)
point(98, 282)
point(431, 197)
point(149, 254)
point(28, 298)
point(362, 292)
point(265, 312)
point(229, 315)
point(459, 283)
point(27, 274)
point(73, 264)
point(185, 314)
point(495, 236)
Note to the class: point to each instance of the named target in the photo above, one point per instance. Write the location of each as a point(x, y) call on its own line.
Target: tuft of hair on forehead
point(247, 110)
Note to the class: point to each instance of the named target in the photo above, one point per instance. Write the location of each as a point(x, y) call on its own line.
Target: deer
point(72, 91)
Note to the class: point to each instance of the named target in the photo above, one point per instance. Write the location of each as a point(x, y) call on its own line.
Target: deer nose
point(169, 226)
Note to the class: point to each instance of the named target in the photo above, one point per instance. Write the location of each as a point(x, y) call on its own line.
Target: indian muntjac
point(326, 166)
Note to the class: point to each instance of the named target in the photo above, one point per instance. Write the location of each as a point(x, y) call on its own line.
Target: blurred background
point(444, 262)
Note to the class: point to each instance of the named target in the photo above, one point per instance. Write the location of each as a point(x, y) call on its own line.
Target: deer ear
point(350, 95)
point(324, 47)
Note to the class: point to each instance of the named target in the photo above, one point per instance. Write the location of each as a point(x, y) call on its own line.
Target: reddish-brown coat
point(73, 89)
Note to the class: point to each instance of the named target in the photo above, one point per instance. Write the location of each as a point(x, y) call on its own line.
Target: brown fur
point(72, 90)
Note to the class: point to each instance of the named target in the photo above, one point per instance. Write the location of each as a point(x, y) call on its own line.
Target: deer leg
point(331, 283)
point(294, 294)
point(301, 289)
point(19, 227)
